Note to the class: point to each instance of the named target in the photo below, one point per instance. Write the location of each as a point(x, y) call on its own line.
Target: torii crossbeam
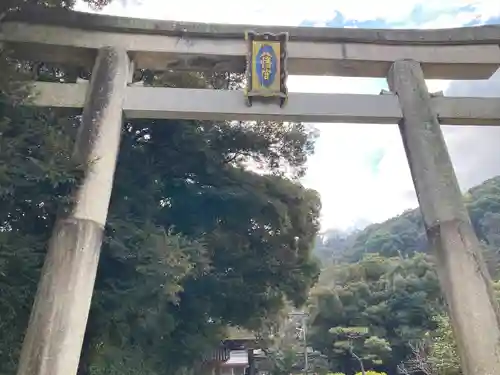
point(112, 47)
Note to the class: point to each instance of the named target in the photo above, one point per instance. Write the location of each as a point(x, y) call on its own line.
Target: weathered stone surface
point(201, 104)
point(58, 319)
point(462, 273)
point(66, 43)
point(61, 17)
point(469, 294)
point(72, 37)
point(57, 324)
point(99, 135)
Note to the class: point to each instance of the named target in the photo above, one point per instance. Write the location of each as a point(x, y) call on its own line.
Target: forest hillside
point(405, 235)
point(378, 303)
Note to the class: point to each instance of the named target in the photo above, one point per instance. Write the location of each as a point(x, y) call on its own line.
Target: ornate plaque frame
point(266, 68)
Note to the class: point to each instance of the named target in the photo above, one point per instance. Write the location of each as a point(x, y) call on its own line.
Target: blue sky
point(359, 170)
point(417, 18)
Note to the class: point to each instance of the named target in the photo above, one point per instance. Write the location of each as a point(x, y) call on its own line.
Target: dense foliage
point(394, 300)
point(208, 227)
point(404, 235)
point(382, 279)
point(36, 175)
point(211, 243)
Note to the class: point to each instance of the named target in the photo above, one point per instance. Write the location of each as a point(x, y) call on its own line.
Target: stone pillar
point(462, 273)
point(54, 338)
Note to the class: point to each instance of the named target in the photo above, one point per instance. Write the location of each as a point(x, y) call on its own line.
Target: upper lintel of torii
point(73, 37)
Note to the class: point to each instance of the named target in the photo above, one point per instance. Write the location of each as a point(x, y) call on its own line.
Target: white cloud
point(285, 12)
point(341, 171)
point(262, 12)
point(450, 20)
point(474, 150)
point(341, 168)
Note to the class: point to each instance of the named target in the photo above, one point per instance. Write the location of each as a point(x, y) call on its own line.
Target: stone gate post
point(54, 338)
point(463, 276)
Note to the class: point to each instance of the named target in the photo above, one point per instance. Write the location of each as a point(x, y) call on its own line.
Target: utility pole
point(303, 332)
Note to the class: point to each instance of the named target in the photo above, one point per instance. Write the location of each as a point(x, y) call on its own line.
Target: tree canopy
point(404, 235)
point(382, 279)
point(208, 227)
point(369, 310)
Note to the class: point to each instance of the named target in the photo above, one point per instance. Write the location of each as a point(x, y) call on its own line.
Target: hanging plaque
point(266, 72)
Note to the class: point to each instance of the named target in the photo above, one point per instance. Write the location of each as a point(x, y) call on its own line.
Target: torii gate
point(116, 46)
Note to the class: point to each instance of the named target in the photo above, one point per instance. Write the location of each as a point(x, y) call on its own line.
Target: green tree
point(195, 240)
point(367, 373)
point(36, 175)
point(285, 350)
point(256, 231)
point(366, 349)
point(398, 282)
point(395, 298)
point(443, 355)
point(405, 235)
point(282, 361)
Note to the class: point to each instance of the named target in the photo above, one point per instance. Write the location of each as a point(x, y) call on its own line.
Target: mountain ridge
point(404, 235)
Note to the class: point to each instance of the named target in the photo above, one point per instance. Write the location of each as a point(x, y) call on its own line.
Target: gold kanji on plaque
point(266, 71)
